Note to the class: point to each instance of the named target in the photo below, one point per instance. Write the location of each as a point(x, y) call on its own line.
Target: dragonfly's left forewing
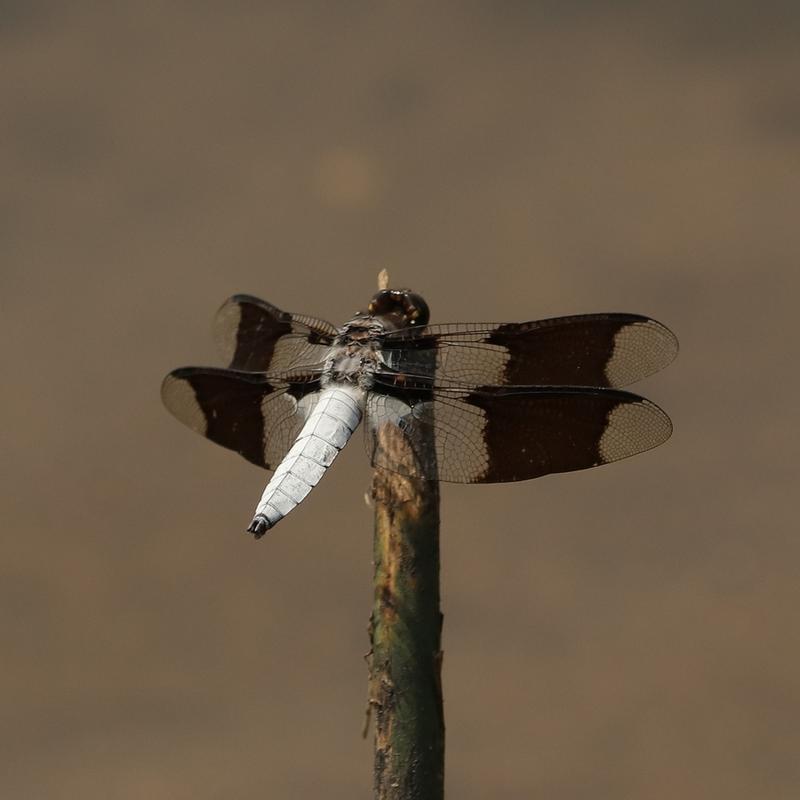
point(255, 336)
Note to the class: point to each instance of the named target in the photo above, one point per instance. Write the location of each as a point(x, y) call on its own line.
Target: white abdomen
point(326, 431)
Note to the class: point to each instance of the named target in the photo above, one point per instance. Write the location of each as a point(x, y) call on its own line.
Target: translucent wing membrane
point(499, 401)
point(496, 434)
point(607, 350)
point(257, 416)
point(255, 336)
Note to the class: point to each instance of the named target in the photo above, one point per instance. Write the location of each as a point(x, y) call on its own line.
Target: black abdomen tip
point(259, 526)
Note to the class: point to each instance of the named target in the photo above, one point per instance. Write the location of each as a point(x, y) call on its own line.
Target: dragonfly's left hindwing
point(257, 416)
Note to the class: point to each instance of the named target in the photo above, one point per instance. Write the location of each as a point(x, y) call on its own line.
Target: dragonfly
point(494, 402)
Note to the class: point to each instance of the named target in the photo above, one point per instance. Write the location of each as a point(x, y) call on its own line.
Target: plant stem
point(405, 631)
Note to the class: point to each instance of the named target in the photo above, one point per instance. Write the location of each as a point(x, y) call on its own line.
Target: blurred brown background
point(627, 632)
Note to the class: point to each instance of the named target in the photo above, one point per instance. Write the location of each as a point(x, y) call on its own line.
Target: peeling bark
point(405, 630)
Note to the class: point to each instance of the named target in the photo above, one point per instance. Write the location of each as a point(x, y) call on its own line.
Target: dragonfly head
point(401, 307)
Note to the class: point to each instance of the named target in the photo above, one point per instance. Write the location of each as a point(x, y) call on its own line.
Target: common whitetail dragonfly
point(498, 401)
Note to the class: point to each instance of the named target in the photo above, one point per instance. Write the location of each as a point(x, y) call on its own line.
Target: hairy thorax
point(355, 355)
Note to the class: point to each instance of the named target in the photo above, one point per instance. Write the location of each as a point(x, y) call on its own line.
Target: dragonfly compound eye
point(416, 309)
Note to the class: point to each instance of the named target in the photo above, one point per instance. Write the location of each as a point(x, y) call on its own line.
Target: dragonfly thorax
point(355, 354)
